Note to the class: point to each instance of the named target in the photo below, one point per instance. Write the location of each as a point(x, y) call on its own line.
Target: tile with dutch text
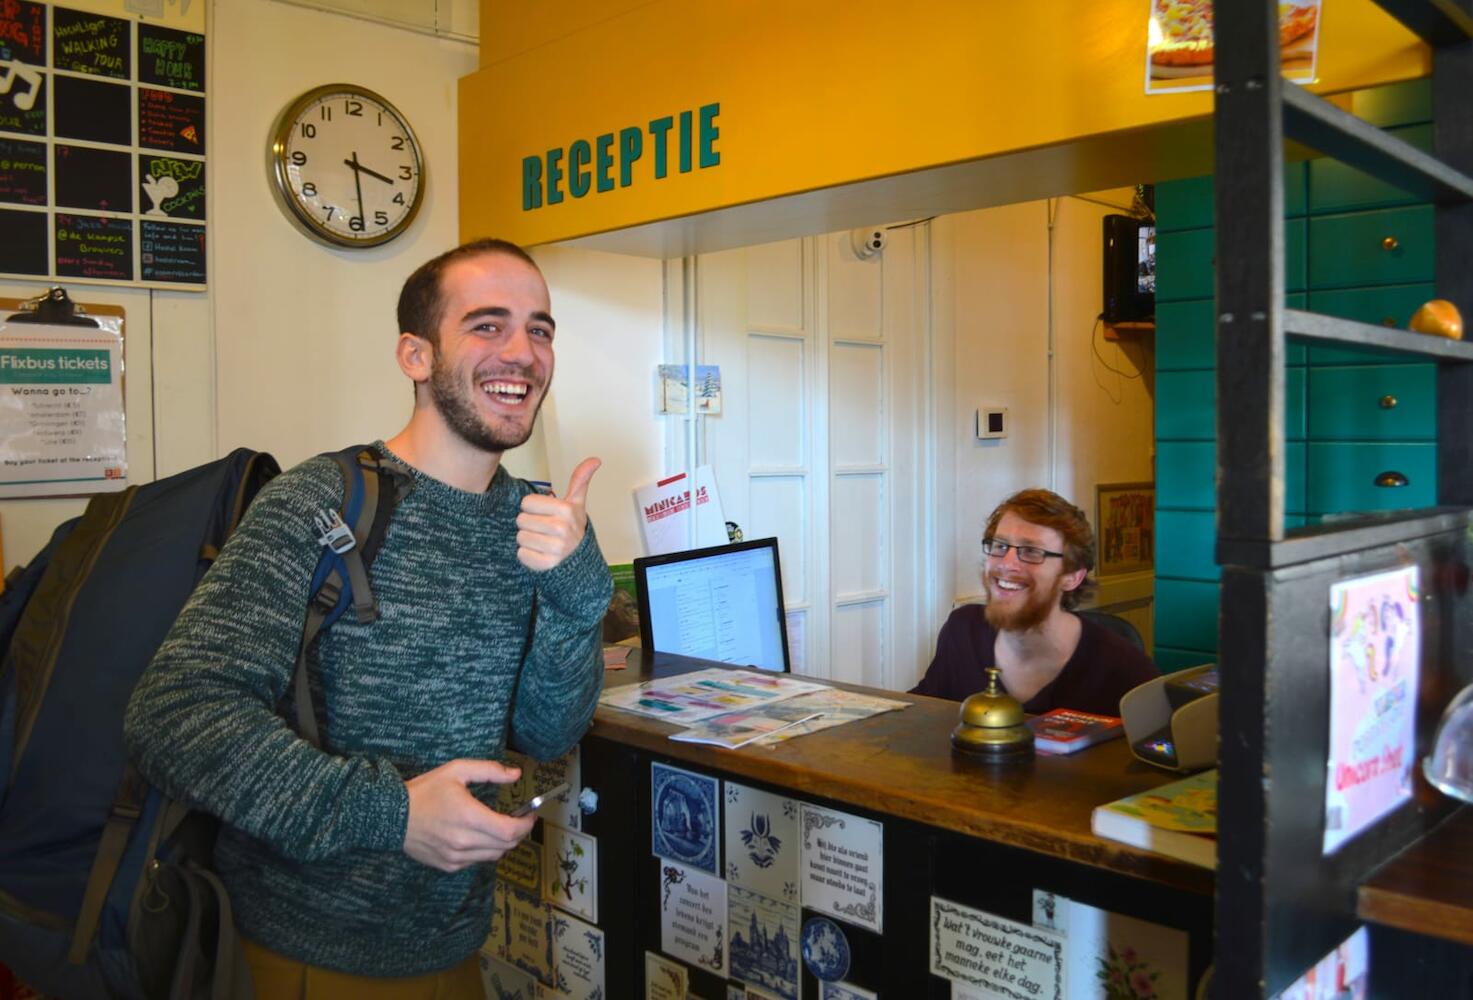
point(1112, 948)
point(528, 932)
point(664, 979)
point(693, 917)
point(843, 866)
point(506, 982)
point(577, 958)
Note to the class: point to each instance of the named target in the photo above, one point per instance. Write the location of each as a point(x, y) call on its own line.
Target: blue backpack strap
point(350, 536)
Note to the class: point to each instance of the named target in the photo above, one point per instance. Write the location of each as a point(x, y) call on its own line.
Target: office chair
point(1119, 626)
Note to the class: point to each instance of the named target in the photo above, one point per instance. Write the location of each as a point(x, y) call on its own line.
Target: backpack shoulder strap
point(373, 485)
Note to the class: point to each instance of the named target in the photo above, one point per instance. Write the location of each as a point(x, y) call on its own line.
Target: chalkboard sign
point(99, 179)
point(91, 43)
point(172, 187)
point(23, 251)
point(170, 121)
point(171, 58)
point(89, 246)
point(173, 252)
point(102, 140)
point(23, 108)
point(22, 172)
point(23, 32)
point(94, 110)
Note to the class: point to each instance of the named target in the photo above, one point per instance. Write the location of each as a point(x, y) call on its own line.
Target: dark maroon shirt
point(1104, 666)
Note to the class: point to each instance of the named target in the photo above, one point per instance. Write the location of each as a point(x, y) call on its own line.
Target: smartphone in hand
point(536, 802)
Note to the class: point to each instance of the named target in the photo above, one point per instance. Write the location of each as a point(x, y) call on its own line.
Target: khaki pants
point(280, 978)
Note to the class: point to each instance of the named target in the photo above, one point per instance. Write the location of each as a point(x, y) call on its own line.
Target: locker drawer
point(1184, 262)
point(1186, 613)
point(1186, 475)
point(1186, 405)
point(1186, 542)
point(1188, 203)
point(1341, 476)
point(1373, 402)
point(1389, 305)
point(1337, 187)
point(1383, 247)
point(1186, 337)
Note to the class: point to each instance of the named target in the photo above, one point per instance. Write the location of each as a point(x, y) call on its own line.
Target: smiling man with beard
point(366, 868)
point(1038, 551)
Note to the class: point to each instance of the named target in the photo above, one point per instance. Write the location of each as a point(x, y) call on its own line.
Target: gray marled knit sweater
point(312, 852)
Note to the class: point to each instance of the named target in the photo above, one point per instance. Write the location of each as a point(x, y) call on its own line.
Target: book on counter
point(1064, 730)
point(1178, 819)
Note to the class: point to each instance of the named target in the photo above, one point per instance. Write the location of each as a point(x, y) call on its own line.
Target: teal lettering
point(578, 178)
point(631, 147)
point(660, 128)
point(554, 176)
point(605, 161)
point(685, 142)
point(531, 183)
point(709, 132)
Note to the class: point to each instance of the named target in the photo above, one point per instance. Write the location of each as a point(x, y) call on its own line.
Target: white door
point(822, 437)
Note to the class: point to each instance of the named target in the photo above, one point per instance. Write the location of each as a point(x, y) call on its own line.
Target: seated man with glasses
point(1038, 551)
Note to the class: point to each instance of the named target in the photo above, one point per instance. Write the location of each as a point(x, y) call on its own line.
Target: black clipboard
point(55, 307)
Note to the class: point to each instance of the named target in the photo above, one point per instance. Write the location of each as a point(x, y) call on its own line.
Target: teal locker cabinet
point(1354, 247)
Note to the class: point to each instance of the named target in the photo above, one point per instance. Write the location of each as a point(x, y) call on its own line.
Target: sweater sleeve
point(202, 723)
point(955, 665)
point(563, 673)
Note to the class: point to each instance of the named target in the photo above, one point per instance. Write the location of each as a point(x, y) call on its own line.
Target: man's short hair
point(1049, 510)
point(421, 304)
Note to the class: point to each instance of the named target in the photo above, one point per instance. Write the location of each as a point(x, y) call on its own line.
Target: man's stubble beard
point(461, 416)
point(1034, 612)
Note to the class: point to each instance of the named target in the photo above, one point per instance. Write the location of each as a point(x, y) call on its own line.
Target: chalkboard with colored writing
point(102, 141)
point(171, 58)
point(91, 43)
point(93, 246)
point(173, 253)
point(22, 172)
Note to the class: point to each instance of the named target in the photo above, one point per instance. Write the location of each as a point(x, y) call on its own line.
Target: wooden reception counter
point(983, 835)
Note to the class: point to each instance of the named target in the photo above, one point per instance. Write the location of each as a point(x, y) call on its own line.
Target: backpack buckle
point(332, 532)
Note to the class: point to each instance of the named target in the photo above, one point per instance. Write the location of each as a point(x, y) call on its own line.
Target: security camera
point(867, 241)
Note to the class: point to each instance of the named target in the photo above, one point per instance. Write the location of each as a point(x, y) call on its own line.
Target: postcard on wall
point(685, 821)
point(1107, 952)
point(693, 917)
point(843, 866)
point(1375, 653)
point(528, 933)
point(762, 842)
point(664, 979)
point(577, 958)
point(506, 982)
point(996, 956)
point(675, 389)
point(1179, 46)
point(763, 936)
point(570, 871)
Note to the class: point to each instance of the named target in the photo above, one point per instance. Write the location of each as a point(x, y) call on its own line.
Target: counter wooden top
point(1428, 888)
point(901, 764)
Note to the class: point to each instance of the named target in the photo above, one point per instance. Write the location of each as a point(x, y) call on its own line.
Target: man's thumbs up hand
point(549, 528)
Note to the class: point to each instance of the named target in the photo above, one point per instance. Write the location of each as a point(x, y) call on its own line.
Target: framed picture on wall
point(1125, 528)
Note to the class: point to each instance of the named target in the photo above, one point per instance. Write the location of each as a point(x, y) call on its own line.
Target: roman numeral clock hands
point(337, 126)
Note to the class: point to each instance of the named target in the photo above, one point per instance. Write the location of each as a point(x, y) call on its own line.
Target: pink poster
point(1375, 649)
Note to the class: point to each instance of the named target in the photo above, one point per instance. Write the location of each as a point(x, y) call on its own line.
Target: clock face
point(346, 166)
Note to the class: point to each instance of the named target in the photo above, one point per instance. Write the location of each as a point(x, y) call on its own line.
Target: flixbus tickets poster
point(1375, 649)
point(61, 409)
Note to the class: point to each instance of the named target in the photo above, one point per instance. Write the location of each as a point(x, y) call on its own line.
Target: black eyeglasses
point(997, 548)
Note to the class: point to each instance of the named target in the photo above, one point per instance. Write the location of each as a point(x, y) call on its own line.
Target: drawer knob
point(1388, 402)
point(1389, 243)
point(1391, 478)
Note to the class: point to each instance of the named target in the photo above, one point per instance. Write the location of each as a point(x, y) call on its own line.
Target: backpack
point(106, 887)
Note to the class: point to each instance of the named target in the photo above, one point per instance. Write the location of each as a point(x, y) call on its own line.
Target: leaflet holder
point(1171, 721)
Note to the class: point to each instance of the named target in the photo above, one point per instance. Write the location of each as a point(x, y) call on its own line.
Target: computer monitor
point(721, 603)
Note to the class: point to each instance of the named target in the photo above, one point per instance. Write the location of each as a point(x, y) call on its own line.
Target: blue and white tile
point(529, 933)
point(763, 937)
point(506, 982)
point(577, 958)
point(761, 842)
point(664, 979)
point(570, 871)
point(845, 991)
point(685, 818)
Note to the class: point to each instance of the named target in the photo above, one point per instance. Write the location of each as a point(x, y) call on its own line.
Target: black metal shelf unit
point(1281, 905)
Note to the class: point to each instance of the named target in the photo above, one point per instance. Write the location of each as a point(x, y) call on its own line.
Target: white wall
point(991, 297)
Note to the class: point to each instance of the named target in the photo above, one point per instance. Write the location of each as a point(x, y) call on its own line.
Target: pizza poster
point(102, 142)
point(1375, 650)
point(1179, 46)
